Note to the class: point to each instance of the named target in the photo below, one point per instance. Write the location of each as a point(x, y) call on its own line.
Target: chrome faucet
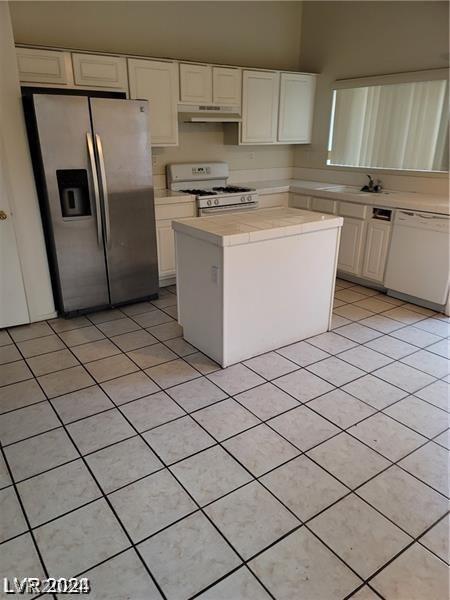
point(373, 187)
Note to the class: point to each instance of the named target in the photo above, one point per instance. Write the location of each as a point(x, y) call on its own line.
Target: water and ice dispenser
point(74, 193)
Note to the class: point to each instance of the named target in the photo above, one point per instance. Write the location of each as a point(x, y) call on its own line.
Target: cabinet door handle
point(3, 215)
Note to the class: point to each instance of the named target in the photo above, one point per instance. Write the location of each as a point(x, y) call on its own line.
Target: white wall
point(357, 39)
point(205, 142)
point(22, 192)
point(258, 34)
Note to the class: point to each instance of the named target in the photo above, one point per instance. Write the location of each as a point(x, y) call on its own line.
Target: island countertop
point(252, 226)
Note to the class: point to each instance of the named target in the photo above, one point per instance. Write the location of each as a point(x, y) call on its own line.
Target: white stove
point(208, 182)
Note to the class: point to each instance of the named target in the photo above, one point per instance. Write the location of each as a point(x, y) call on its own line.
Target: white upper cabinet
point(296, 107)
point(157, 82)
point(97, 70)
point(43, 66)
point(227, 86)
point(195, 83)
point(259, 107)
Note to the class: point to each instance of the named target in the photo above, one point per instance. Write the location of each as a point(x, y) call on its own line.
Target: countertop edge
point(394, 199)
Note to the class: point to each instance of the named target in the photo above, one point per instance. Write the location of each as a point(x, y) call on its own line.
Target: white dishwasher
point(418, 264)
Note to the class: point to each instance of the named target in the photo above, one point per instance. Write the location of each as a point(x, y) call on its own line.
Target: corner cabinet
point(259, 107)
point(157, 82)
point(296, 107)
point(165, 240)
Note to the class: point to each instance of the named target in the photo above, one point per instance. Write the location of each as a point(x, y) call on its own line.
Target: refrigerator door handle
point(90, 147)
point(101, 162)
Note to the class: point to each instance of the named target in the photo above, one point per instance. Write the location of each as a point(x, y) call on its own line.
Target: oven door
point(223, 210)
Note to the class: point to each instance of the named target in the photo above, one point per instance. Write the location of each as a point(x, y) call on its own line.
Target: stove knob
point(249, 198)
point(216, 201)
point(208, 202)
point(242, 198)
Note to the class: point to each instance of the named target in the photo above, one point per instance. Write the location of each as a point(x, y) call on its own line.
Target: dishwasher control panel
point(427, 221)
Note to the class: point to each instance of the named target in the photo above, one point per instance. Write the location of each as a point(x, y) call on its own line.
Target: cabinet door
point(157, 82)
point(166, 248)
point(350, 249)
point(227, 86)
point(42, 66)
point(100, 71)
point(195, 84)
point(296, 107)
point(259, 107)
point(377, 243)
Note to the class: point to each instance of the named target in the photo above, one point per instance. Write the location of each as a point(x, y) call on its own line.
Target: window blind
point(395, 126)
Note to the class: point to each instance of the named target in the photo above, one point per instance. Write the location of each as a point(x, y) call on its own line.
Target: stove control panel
point(201, 170)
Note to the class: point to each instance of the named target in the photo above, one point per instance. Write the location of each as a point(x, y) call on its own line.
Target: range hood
point(209, 114)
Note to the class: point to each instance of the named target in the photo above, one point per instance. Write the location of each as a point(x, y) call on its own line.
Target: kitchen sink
point(348, 189)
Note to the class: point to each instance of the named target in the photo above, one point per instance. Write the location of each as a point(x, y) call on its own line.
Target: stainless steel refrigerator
point(93, 165)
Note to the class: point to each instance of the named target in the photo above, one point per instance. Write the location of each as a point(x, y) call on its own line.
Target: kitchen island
point(250, 282)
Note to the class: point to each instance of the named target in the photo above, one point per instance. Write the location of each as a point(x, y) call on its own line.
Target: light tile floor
point(318, 471)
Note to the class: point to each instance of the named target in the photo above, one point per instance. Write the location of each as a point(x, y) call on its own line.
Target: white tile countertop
point(252, 226)
point(164, 196)
point(386, 199)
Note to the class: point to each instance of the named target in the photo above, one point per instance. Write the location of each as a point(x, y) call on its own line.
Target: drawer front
point(272, 200)
point(324, 205)
point(175, 211)
point(300, 201)
point(348, 209)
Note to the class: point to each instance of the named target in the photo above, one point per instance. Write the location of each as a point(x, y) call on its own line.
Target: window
point(391, 123)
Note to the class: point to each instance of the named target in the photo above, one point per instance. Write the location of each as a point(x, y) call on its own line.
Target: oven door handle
point(227, 209)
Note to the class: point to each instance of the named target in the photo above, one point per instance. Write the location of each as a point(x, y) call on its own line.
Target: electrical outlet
point(251, 155)
point(154, 161)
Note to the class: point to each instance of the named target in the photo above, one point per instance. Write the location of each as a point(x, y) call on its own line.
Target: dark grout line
point(105, 497)
point(25, 516)
point(220, 444)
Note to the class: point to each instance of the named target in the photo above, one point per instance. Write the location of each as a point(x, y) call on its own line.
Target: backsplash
point(200, 142)
point(423, 184)
point(205, 142)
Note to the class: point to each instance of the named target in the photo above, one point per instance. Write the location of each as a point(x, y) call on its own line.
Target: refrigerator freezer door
point(73, 232)
point(125, 173)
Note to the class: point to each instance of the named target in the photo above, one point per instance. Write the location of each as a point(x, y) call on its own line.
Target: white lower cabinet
point(166, 249)
point(299, 201)
point(375, 255)
point(324, 205)
point(273, 200)
point(351, 245)
point(165, 241)
point(157, 82)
